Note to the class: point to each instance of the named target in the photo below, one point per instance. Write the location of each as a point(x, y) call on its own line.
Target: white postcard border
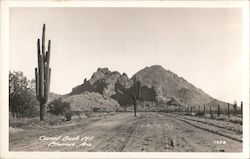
point(4, 61)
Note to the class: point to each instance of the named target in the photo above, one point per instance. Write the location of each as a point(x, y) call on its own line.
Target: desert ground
point(122, 132)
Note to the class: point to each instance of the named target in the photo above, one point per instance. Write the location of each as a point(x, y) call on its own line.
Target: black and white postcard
point(127, 79)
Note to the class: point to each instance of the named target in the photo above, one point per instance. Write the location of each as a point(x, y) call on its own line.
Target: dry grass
point(35, 123)
point(52, 120)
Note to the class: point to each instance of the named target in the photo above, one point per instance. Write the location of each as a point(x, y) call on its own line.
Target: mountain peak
point(158, 84)
point(156, 67)
point(104, 70)
point(169, 85)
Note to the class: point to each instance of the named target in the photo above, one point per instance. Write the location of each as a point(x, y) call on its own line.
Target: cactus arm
point(138, 89)
point(43, 41)
point(47, 89)
point(48, 53)
point(38, 49)
point(38, 71)
point(49, 80)
point(37, 82)
point(47, 73)
point(45, 81)
point(41, 79)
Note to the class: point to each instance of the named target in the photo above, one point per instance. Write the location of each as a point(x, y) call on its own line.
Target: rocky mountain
point(157, 85)
point(169, 86)
point(103, 81)
point(114, 85)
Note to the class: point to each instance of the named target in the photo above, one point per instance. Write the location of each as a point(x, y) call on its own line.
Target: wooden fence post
point(210, 111)
point(241, 109)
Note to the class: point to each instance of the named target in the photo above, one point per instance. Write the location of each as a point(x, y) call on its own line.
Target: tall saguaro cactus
point(42, 74)
point(135, 92)
point(218, 111)
point(204, 110)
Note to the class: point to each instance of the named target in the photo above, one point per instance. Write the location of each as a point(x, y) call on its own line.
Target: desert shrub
point(236, 121)
point(212, 116)
point(68, 115)
point(186, 113)
point(96, 109)
point(88, 114)
point(58, 107)
point(77, 113)
point(199, 114)
point(120, 109)
point(22, 98)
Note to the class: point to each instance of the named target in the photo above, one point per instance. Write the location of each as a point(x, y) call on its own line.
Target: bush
point(212, 116)
point(22, 98)
point(199, 114)
point(58, 107)
point(88, 114)
point(68, 115)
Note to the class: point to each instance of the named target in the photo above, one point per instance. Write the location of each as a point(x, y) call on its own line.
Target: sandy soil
point(148, 132)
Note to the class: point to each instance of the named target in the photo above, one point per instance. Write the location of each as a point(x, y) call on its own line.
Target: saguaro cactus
point(135, 92)
point(204, 110)
point(42, 74)
point(218, 111)
point(228, 111)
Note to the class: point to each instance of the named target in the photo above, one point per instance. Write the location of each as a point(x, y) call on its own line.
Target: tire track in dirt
point(104, 133)
point(150, 135)
point(174, 142)
point(140, 138)
point(116, 138)
point(235, 138)
point(131, 130)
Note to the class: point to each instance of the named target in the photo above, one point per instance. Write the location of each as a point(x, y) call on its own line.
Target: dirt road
point(151, 132)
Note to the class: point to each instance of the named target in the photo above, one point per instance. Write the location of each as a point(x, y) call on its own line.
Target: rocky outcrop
point(103, 81)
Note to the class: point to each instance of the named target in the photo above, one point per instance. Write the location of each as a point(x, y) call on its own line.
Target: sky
point(202, 45)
